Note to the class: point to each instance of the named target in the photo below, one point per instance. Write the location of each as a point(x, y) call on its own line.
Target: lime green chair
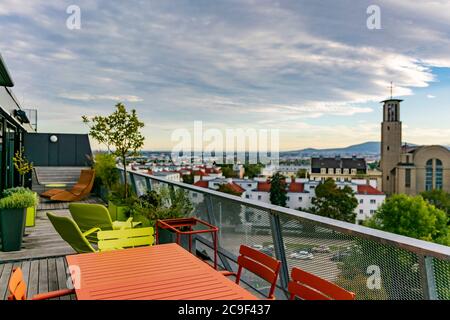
point(88, 216)
point(127, 238)
point(71, 233)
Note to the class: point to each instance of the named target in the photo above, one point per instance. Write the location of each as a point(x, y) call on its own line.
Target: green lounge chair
point(88, 216)
point(71, 233)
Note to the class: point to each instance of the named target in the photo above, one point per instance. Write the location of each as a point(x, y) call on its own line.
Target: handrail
point(419, 247)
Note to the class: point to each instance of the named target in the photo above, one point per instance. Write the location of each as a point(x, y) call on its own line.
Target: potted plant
point(165, 203)
point(30, 220)
point(13, 209)
point(119, 206)
point(107, 174)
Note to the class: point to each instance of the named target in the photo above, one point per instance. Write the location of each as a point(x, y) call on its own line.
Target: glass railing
point(371, 263)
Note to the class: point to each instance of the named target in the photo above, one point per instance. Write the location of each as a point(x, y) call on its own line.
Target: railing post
point(212, 220)
point(133, 182)
point(426, 267)
point(148, 183)
point(278, 245)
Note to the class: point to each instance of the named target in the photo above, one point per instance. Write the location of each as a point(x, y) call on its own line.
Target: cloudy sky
point(311, 69)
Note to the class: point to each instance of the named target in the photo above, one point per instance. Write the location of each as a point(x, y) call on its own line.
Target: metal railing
point(371, 263)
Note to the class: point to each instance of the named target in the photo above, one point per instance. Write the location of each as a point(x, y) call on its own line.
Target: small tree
point(334, 202)
point(439, 198)
point(302, 173)
point(22, 165)
point(412, 217)
point(121, 130)
point(278, 190)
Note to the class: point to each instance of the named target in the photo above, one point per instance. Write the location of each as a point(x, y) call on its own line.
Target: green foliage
point(120, 130)
point(117, 195)
point(106, 170)
point(18, 198)
point(334, 202)
point(253, 170)
point(413, 217)
point(228, 172)
point(166, 203)
point(278, 190)
point(22, 165)
point(188, 178)
point(439, 198)
point(302, 173)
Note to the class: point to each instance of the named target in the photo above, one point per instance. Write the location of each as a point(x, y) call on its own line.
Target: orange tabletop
point(161, 272)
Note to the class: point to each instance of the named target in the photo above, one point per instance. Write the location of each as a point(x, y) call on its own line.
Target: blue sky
point(311, 69)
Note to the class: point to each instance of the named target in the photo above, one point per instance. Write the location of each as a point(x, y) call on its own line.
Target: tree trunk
point(125, 176)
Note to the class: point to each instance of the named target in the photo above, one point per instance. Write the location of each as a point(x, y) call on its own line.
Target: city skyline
point(313, 71)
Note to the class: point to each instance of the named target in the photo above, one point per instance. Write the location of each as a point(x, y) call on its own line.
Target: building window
point(372, 211)
point(373, 201)
point(247, 196)
point(338, 171)
point(323, 171)
point(288, 199)
point(429, 175)
point(259, 197)
point(353, 171)
point(249, 185)
point(439, 174)
point(345, 171)
point(387, 148)
point(361, 211)
point(361, 200)
point(408, 178)
point(330, 170)
point(300, 199)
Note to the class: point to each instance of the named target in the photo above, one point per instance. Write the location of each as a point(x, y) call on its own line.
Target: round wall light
point(53, 138)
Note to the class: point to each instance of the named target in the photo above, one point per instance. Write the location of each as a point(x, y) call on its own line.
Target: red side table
point(176, 226)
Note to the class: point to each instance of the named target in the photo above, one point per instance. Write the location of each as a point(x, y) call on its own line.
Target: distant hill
point(367, 148)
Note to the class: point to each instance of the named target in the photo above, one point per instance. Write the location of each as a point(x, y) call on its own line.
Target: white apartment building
point(300, 193)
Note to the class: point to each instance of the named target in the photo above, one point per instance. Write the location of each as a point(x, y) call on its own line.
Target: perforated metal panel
point(372, 268)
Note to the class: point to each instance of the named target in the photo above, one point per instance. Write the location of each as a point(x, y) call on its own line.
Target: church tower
point(391, 143)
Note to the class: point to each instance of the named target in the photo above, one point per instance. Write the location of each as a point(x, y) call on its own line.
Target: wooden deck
point(42, 275)
point(42, 240)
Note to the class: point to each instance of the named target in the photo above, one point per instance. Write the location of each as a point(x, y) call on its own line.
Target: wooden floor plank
point(4, 279)
point(43, 276)
point(26, 272)
point(62, 275)
point(33, 281)
point(51, 275)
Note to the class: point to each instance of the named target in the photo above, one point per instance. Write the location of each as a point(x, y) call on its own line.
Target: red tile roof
point(200, 173)
point(296, 187)
point(201, 183)
point(367, 189)
point(235, 187)
point(263, 186)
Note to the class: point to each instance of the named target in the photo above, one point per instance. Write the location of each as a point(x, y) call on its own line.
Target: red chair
point(258, 263)
point(18, 289)
point(307, 286)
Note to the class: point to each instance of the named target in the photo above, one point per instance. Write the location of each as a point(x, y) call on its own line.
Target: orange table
point(161, 272)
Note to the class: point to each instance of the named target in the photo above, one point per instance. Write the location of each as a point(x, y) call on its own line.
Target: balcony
point(372, 263)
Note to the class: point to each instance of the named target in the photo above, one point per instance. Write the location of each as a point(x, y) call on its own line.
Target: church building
point(409, 169)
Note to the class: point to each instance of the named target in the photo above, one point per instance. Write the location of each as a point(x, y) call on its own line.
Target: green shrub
point(11, 191)
point(18, 200)
point(106, 170)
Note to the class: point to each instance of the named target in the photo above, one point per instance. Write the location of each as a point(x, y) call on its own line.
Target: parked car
point(321, 249)
point(340, 256)
point(257, 247)
point(267, 251)
point(301, 255)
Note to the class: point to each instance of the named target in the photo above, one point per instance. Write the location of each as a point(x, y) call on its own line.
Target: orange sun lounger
point(78, 192)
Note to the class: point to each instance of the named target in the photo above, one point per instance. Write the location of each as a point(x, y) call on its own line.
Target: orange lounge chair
point(308, 286)
point(18, 289)
point(78, 192)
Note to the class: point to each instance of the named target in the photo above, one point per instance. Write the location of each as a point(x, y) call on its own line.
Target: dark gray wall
point(71, 150)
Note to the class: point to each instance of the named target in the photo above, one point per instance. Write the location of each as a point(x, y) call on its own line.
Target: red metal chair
point(307, 286)
point(18, 289)
point(258, 263)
